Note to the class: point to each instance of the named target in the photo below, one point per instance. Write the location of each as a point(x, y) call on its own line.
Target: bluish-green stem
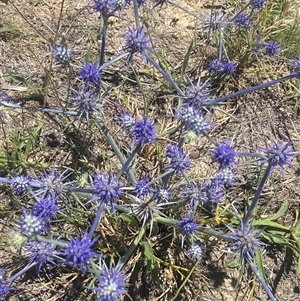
point(96, 221)
point(136, 14)
point(252, 89)
point(125, 166)
point(104, 32)
point(257, 194)
point(261, 280)
point(114, 60)
point(20, 273)
point(116, 149)
point(164, 73)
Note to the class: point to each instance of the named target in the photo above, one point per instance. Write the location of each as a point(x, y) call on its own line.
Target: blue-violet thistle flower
point(112, 283)
point(142, 187)
point(31, 224)
point(137, 41)
point(242, 21)
point(272, 48)
point(46, 209)
point(107, 189)
point(61, 54)
point(279, 154)
point(229, 68)
point(245, 241)
point(226, 176)
point(4, 288)
point(197, 95)
point(212, 192)
point(89, 73)
point(107, 8)
point(41, 252)
point(195, 251)
point(144, 131)
point(224, 154)
point(216, 67)
point(20, 184)
point(78, 252)
point(179, 159)
point(187, 226)
point(257, 4)
point(127, 121)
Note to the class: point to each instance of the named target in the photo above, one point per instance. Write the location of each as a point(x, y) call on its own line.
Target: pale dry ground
point(25, 50)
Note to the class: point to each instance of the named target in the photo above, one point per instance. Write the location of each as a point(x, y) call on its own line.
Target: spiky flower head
point(229, 68)
point(4, 287)
point(242, 21)
point(179, 159)
point(245, 241)
point(192, 194)
point(215, 21)
point(41, 252)
point(224, 154)
point(142, 187)
point(51, 184)
point(161, 195)
point(111, 283)
point(61, 54)
point(226, 176)
point(127, 121)
point(195, 251)
point(187, 226)
point(144, 131)
point(258, 4)
point(137, 41)
point(107, 189)
point(216, 67)
point(90, 74)
point(46, 209)
point(197, 94)
point(20, 184)
point(193, 119)
point(30, 224)
point(78, 252)
point(87, 101)
point(280, 154)
point(272, 48)
point(108, 8)
point(211, 193)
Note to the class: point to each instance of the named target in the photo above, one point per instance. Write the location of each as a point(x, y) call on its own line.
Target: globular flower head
point(187, 226)
point(215, 21)
point(216, 67)
point(89, 73)
point(197, 94)
point(107, 189)
point(4, 288)
point(41, 252)
point(245, 241)
point(87, 101)
point(211, 193)
point(20, 184)
point(31, 224)
point(193, 119)
point(161, 195)
point(51, 184)
point(137, 41)
point(224, 154)
point(61, 54)
point(195, 251)
point(142, 187)
point(4, 97)
point(242, 21)
point(258, 4)
point(108, 8)
point(279, 154)
point(127, 121)
point(226, 176)
point(229, 68)
point(192, 194)
point(78, 252)
point(111, 283)
point(179, 159)
point(272, 48)
point(143, 131)
point(46, 209)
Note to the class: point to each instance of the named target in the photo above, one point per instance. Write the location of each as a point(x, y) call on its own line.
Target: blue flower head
point(279, 154)
point(226, 176)
point(127, 121)
point(258, 4)
point(161, 195)
point(41, 252)
point(87, 102)
point(108, 8)
point(229, 68)
point(137, 41)
point(4, 288)
point(144, 131)
point(78, 252)
point(142, 187)
point(107, 189)
point(245, 241)
point(111, 283)
point(46, 209)
point(20, 184)
point(195, 251)
point(179, 159)
point(187, 227)
point(242, 21)
point(89, 73)
point(211, 193)
point(224, 154)
point(31, 224)
point(61, 54)
point(197, 94)
point(272, 48)
point(216, 67)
